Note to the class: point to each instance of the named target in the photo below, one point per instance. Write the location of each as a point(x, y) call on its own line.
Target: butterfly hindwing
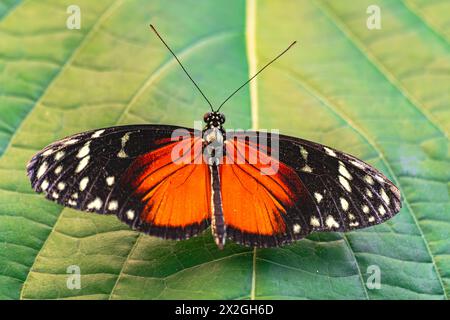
point(92, 171)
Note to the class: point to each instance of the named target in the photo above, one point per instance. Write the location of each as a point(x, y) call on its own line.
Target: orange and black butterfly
point(174, 182)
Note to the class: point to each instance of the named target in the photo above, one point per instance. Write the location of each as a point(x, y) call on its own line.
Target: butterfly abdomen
point(218, 226)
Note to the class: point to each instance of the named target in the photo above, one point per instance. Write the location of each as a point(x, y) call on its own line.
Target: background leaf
point(381, 95)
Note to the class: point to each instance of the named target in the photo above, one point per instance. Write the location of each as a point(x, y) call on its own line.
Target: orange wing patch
point(176, 192)
point(253, 202)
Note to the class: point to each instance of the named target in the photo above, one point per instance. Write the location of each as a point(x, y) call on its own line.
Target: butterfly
point(255, 188)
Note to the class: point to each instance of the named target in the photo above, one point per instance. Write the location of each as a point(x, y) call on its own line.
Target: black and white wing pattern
point(345, 193)
point(90, 171)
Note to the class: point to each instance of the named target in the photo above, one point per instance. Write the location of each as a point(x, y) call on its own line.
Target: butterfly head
point(214, 119)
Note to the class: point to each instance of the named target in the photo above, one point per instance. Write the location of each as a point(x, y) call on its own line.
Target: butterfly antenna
point(273, 60)
point(179, 62)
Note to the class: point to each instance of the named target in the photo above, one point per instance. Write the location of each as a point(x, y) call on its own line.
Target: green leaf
point(378, 94)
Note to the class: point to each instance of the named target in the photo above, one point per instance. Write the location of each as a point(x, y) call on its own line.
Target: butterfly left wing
point(313, 188)
point(127, 171)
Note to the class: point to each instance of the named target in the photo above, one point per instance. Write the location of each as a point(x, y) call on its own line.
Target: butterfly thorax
point(213, 143)
point(213, 136)
point(214, 120)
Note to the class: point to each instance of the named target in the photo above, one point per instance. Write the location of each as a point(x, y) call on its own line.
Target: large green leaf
point(379, 94)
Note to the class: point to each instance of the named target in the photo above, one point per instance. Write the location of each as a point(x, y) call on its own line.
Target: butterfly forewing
point(347, 192)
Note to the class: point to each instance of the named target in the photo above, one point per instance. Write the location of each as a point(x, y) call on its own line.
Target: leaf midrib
point(250, 39)
point(251, 57)
point(147, 82)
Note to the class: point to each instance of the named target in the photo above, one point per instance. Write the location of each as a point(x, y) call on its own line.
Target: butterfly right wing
point(312, 188)
point(128, 171)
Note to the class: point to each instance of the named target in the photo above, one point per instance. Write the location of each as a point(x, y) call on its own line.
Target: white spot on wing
point(384, 196)
point(304, 153)
point(47, 152)
point(315, 222)
point(42, 169)
point(357, 164)
point(123, 141)
point(110, 181)
point(58, 169)
point(84, 151)
point(97, 133)
point(96, 204)
point(55, 195)
point(344, 204)
point(381, 210)
point(83, 163)
point(59, 155)
point(130, 214)
point(44, 185)
point(297, 228)
point(83, 183)
point(331, 223)
point(368, 179)
point(71, 141)
point(122, 154)
point(72, 202)
point(354, 224)
point(371, 219)
point(329, 152)
point(345, 183)
point(369, 193)
point(61, 185)
point(343, 170)
point(365, 209)
point(318, 197)
point(113, 205)
point(307, 168)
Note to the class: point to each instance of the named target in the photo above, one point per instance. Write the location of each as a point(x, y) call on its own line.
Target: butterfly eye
point(206, 116)
point(222, 118)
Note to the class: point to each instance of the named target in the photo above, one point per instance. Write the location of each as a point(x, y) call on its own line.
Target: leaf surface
point(378, 94)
